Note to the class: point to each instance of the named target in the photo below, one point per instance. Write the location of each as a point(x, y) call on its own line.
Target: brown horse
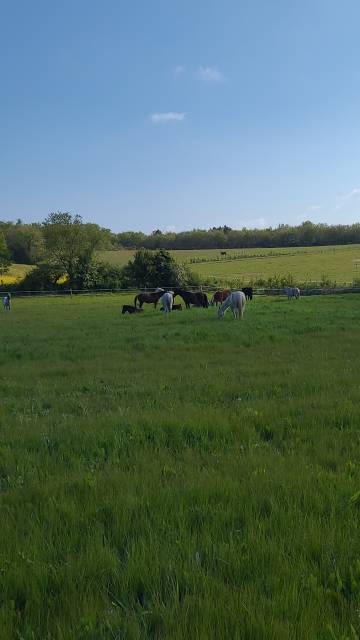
point(198, 298)
point(220, 296)
point(150, 298)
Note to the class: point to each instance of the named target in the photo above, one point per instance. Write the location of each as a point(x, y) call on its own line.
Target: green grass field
point(340, 263)
point(180, 477)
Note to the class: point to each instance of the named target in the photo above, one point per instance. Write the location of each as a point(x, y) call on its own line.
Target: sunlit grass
point(340, 263)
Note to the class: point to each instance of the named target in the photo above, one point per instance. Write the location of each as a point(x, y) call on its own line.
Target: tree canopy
point(4, 255)
point(155, 269)
point(71, 245)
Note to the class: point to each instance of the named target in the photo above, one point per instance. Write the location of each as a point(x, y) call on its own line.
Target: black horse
point(248, 292)
point(127, 308)
point(198, 298)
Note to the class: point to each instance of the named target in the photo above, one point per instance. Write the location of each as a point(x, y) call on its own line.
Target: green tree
point(42, 278)
point(4, 255)
point(25, 243)
point(71, 245)
point(155, 269)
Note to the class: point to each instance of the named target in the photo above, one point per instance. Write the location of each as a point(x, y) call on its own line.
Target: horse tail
point(205, 301)
point(135, 300)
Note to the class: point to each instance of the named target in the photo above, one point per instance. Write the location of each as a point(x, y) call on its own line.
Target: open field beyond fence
point(180, 477)
point(338, 263)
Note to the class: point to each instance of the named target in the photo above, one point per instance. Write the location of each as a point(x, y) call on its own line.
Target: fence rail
point(263, 291)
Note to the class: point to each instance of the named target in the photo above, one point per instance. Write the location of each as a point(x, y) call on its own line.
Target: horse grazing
point(198, 298)
point(128, 308)
point(292, 292)
point(166, 300)
point(236, 302)
point(220, 296)
point(248, 292)
point(150, 298)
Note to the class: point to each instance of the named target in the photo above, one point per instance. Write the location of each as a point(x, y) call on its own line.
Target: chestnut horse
point(198, 298)
point(152, 297)
point(220, 296)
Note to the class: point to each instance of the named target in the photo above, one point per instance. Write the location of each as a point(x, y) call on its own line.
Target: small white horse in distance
point(167, 300)
point(7, 302)
point(292, 292)
point(236, 302)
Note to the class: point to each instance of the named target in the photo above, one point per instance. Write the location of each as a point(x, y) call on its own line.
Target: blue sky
point(175, 115)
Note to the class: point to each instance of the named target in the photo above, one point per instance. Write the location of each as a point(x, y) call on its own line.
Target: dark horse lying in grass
point(198, 298)
point(150, 298)
point(127, 308)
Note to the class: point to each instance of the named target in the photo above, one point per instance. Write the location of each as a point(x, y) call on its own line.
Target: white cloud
point(314, 207)
point(178, 70)
point(354, 193)
point(168, 116)
point(348, 198)
point(211, 74)
point(171, 228)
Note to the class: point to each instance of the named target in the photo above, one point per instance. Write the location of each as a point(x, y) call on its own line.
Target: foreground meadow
point(180, 477)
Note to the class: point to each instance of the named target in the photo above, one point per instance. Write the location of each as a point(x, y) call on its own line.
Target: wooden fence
point(314, 291)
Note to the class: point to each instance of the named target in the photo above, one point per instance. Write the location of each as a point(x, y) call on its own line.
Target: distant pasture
point(338, 263)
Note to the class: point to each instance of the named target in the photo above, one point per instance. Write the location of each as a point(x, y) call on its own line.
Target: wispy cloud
point(178, 70)
point(313, 207)
point(168, 116)
point(354, 193)
point(211, 74)
point(349, 197)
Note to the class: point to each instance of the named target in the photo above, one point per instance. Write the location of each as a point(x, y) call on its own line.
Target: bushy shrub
point(42, 278)
point(156, 269)
point(108, 276)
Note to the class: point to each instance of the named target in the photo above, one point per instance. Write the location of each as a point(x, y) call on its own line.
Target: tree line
point(25, 243)
point(304, 235)
point(63, 250)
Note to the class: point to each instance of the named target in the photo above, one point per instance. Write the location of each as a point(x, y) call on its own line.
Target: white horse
point(167, 300)
point(7, 302)
point(292, 292)
point(236, 302)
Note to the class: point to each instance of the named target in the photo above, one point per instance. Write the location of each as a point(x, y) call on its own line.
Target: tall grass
point(180, 477)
